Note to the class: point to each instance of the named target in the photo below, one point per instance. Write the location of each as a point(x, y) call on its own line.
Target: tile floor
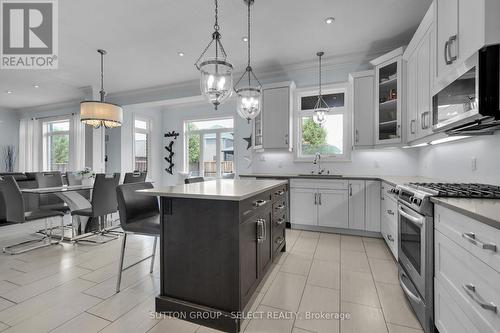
point(70, 288)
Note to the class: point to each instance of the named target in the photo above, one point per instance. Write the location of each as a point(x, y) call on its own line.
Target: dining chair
point(135, 177)
point(75, 179)
point(103, 201)
point(50, 201)
point(140, 215)
point(194, 180)
point(15, 213)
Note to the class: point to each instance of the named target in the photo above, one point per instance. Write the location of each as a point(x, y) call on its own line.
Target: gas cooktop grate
point(459, 190)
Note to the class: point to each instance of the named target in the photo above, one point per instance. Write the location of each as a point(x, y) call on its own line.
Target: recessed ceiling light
point(181, 54)
point(245, 39)
point(9, 91)
point(329, 20)
point(36, 86)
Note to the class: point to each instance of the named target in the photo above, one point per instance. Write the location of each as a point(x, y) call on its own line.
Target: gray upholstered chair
point(50, 201)
point(134, 177)
point(14, 204)
point(76, 179)
point(194, 180)
point(139, 214)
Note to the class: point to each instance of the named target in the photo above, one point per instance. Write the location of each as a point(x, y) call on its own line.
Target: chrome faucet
point(317, 161)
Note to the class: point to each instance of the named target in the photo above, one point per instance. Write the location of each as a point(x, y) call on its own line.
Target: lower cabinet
point(303, 206)
point(372, 206)
point(389, 222)
point(357, 203)
point(333, 208)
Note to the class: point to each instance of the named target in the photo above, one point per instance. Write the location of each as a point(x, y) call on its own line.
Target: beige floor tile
point(305, 246)
point(4, 304)
point(351, 243)
point(358, 287)
point(6, 286)
point(318, 300)
point(396, 308)
point(285, 292)
point(377, 250)
point(327, 237)
point(268, 279)
point(328, 248)
point(84, 323)
point(309, 234)
point(297, 264)
point(354, 261)
point(300, 330)
point(281, 258)
point(324, 274)
point(204, 329)
point(291, 237)
point(384, 270)
point(140, 319)
point(174, 325)
point(251, 307)
point(363, 319)
point(121, 303)
point(402, 329)
point(3, 327)
point(271, 322)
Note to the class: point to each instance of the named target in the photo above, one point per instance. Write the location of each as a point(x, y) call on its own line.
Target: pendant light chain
point(320, 76)
point(216, 25)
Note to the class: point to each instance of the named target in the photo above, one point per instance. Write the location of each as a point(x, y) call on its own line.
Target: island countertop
point(219, 189)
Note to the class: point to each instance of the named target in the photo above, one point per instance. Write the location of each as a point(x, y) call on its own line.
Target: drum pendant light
point(100, 113)
point(216, 79)
point(249, 102)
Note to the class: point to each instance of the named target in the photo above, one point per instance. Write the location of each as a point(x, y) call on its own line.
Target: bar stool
point(140, 215)
point(15, 213)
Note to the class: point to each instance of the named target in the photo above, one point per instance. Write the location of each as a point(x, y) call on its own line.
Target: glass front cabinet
point(388, 96)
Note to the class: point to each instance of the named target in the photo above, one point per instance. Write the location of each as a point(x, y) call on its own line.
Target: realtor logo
point(29, 34)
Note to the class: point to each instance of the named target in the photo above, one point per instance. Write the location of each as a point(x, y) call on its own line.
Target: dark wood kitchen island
point(218, 240)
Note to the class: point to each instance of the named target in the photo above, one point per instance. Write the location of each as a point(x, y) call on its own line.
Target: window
point(56, 145)
point(142, 135)
point(209, 147)
point(330, 140)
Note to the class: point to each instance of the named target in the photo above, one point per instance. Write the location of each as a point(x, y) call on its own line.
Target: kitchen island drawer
point(476, 237)
point(472, 284)
point(280, 193)
point(278, 237)
point(253, 205)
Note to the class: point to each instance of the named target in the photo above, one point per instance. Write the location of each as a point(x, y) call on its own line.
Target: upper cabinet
point(462, 28)
point(418, 77)
point(361, 85)
point(388, 97)
point(273, 127)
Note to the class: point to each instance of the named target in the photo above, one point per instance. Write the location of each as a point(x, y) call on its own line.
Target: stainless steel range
point(416, 239)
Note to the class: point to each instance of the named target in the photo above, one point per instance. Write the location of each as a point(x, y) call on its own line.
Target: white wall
point(9, 132)
point(453, 161)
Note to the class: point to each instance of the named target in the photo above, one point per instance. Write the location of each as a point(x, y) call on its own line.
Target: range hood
point(483, 126)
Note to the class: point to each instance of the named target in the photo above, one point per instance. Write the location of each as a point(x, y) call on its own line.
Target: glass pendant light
point(100, 113)
point(249, 101)
point(321, 108)
point(216, 79)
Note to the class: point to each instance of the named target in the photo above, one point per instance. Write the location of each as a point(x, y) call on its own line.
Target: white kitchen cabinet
point(272, 129)
point(333, 208)
point(462, 28)
point(357, 200)
point(372, 206)
point(388, 97)
point(361, 85)
point(304, 206)
point(418, 59)
point(389, 223)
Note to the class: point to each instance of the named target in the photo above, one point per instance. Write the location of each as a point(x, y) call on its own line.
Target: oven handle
point(407, 290)
point(415, 220)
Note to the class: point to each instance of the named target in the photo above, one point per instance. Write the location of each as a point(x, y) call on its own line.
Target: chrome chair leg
point(153, 256)
point(11, 249)
point(120, 267)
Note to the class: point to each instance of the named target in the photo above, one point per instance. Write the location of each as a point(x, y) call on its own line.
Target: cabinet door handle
point(451, 41)
point(390, 238)
point(350, 190)
point(280, 192)
point(446, 52)
point(425, 120)
point(260, 230)
point(390, 212)
point(470, 289)
point(280, 221)
point(412, 126)
point(319, 194)
point(356, 136)
point(259, 203)
point(280, 207)
point(471, 237)
point(315, 198)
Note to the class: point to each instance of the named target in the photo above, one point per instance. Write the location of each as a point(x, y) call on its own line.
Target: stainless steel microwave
point(470, 104)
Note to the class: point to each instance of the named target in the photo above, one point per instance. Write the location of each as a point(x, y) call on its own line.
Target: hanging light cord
point(320, 76)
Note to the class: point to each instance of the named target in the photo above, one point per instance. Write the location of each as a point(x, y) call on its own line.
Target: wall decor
point(9, 157)
point(170, 150)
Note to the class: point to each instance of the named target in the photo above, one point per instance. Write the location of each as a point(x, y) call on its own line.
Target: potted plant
point(88, 176)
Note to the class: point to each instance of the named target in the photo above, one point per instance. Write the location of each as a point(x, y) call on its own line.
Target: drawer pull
point(470, 289)
point(390, 238)
point(390, 212)
point(280, 192)
point(407, 290)
point(259, 203)
point(471, 237)
point(280, 207)
point(280, 221)
point(261, 230)
point(279, 240)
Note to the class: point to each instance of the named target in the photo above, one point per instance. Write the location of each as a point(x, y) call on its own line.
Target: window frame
point(201, 133)
point(45, 161)
point(347, 122)
point(148, 133)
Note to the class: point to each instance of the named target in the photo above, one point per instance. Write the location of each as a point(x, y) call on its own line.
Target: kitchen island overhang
point(218, 240)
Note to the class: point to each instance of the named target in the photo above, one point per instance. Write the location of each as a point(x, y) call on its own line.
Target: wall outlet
point(473, 164)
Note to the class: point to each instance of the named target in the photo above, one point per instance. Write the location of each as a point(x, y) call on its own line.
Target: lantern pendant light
point(321, 108)
point(249, 101)
point(99, 113)
point(216, 79)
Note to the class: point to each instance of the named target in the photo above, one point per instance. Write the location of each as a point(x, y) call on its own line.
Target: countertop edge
point(478, 217)
point(380, 178)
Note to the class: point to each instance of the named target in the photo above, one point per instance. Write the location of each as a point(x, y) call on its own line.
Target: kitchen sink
point(315, 175)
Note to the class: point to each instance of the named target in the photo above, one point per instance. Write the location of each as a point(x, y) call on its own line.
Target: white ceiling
point(143, 38)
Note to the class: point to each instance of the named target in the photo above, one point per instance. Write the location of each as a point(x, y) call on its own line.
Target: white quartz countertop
point(220, 189)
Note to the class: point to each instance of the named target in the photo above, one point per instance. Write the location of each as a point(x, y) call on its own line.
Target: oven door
point(412, 245)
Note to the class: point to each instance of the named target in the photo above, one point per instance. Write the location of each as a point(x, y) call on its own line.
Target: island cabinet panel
point(215, 252)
